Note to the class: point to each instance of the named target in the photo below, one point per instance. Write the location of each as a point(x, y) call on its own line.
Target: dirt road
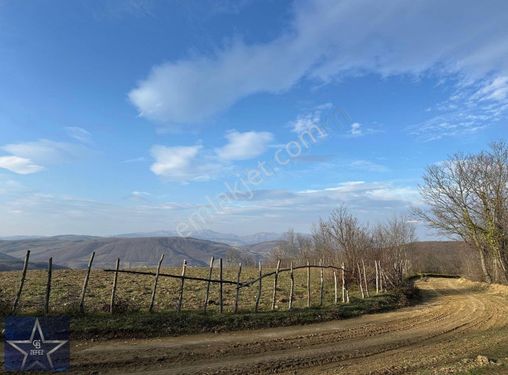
point(457, 321)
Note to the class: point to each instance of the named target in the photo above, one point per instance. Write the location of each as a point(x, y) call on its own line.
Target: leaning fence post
point(207, 293)
point(113, 291)
point(258, 298)
point(156, 280)
point(275, 281)
point(48, 286)
point(180, 298)
point(365, 279)
point(237, 297)
point(308, 284)
point(343, 282)
point(291, 287)
point(336, 295)
point(321, 282)
point(85, 284)
point(23, 276)
point(360, 280)
point(221, 291)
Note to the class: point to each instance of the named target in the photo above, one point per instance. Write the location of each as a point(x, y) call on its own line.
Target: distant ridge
point(74, 251)
point(210, 235)
point(10, 263)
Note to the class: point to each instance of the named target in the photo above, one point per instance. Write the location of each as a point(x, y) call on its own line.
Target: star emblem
point(37, 350)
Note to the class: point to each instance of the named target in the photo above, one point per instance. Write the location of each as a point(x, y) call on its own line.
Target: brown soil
point(457, 321)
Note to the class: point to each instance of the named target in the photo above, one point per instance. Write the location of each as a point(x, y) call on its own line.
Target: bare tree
point(235, 256)
point(294, 246)
point(350, 238)
point(393, 240)
point(467, 197)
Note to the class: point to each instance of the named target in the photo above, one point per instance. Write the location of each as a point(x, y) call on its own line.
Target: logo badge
point(36, 344)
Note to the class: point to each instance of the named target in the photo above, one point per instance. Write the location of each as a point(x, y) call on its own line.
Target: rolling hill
point(10, 263)
point(74, 251)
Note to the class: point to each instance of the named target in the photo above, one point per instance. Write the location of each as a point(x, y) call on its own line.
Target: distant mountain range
point(145, 249)
point(210, 235)
point(74, 251)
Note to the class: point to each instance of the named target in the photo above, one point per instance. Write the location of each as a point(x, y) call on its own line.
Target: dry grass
point(134, 291)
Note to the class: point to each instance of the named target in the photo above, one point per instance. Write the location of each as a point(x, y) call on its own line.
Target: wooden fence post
point(321, 283)
point(48, 286)
point(22, 283)
point(182, 283)
point(380, 277)
point(85, 284)
point(207, 293)
point(308, 284)
point(343, 282)
point(275, 281)
point(258, 298)
point(113, 291)
point(291, 286)
point(365, 279)
point(221, 291)
point(237, 297)
point(156, 280)
point(360, 280)
point(377, 277)
point(336, 295)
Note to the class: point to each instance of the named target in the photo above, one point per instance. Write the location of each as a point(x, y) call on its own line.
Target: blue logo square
point(36, 343)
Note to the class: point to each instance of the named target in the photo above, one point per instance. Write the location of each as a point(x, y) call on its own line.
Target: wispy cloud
point(470, 109)
point(318, 46)
point(371, 200)
point(79, 134)
point(369, 166)
point(32, 157)
point(19, 165)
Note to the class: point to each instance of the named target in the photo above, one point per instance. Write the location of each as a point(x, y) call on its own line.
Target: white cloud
point(183, 163)
point(328, 39)
point(356, 129)
point(196, 163)
point(242, 146)
point(19, 165)
point(307, 123)
point(173, 161)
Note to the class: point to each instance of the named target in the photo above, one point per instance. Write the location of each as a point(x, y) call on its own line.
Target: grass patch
point(133, 297)
point(144, 325)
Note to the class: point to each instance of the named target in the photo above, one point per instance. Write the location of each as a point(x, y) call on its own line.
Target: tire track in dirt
point(457, 320)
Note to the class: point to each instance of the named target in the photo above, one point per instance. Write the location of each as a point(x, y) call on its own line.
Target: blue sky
point(237, 116)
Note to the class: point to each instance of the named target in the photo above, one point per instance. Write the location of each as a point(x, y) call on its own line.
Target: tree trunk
point(486, 274)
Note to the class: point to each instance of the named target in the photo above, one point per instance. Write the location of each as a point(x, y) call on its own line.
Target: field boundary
point(343, 279)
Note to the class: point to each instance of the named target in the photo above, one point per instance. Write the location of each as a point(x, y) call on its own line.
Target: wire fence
point(343, 279)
